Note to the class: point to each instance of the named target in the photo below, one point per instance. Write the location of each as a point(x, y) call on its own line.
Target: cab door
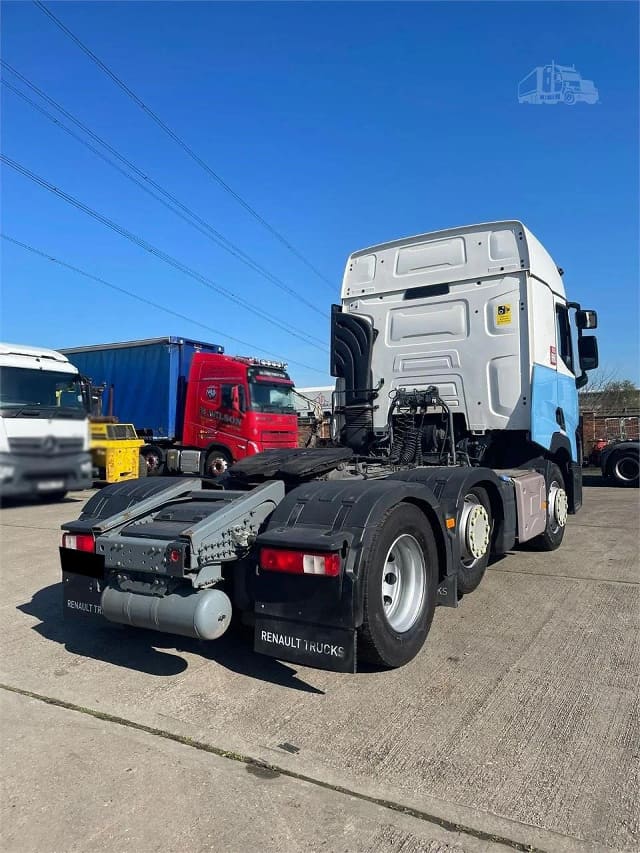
point(567, 415)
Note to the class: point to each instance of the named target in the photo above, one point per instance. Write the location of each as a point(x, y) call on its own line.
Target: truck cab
point(44, 430)
point(239, 406)
point(197, 409)
point(481, 314)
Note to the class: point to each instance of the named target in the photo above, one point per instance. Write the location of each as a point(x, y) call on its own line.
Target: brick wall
point(596, 426)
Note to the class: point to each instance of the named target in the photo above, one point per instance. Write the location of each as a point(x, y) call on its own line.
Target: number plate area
point(50, 485)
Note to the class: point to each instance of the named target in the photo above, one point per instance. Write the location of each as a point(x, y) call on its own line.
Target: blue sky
point(344, 125)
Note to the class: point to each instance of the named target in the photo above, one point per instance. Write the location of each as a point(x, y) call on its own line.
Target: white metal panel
point(432, 255)
point(542, 265)
point(431, 323)
point(476, 356)
point(457, 254)
point(542, 324)
point(38, 358)
point(483, 316)
point(36, 363)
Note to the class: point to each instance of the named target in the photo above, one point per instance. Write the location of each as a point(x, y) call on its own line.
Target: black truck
point(455, 426)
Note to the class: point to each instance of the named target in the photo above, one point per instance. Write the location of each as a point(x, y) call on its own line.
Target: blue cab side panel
point(550, 391)
point(568, 402)
point(149, 380)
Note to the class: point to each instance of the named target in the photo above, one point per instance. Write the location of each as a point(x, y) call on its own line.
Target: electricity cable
point(145, 301)
point(185, 147)
point(199, 223)
point(154, 250)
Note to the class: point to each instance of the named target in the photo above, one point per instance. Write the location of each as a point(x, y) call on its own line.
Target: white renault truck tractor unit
point(455, 437)
point(44, 428)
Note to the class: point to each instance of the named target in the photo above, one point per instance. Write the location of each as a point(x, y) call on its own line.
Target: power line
point(169, 259)
point(199, 224)
point(150, 302)
point(177, 139)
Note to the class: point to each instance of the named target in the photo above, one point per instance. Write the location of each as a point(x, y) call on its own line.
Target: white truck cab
point(44, 428)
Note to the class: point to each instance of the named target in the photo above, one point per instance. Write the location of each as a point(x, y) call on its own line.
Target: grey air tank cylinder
point(204, 615)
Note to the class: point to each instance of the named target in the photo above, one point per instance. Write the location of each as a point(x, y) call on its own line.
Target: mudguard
point(450, 485)
point(298, 614)
point(119, 497)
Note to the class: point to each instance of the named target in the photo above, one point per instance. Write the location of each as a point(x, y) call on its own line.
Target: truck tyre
point(142, 466)
point(400, 586)
point(557, 509)
point(217, 462)
point(474, 527)
point(624, 468)
point(154, 458)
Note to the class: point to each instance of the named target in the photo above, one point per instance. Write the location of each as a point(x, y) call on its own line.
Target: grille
point(274, 439)
point(49, 445)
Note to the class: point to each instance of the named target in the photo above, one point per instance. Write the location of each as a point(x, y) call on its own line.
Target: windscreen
point(40, 393)
point(269, 396)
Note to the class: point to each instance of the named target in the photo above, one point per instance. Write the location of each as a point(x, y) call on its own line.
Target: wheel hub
point(403, 583)
point(153, 461)
point(558, 505)
point(474, 529)
point(218, 466)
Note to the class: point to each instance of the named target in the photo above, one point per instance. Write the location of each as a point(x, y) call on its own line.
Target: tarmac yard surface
point(516, 727)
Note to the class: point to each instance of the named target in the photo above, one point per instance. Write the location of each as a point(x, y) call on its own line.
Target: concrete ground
point(515, 728)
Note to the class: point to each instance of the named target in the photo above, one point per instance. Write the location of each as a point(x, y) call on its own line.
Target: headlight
point(86, 467)
point(6, 472)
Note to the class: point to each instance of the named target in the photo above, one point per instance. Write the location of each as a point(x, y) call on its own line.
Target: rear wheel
point(557, 512)
point(401, 575)
point(154, 457)
point(217, 462)
point(624, 468)
point(474, 538)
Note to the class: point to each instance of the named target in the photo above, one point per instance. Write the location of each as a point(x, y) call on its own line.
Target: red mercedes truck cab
point(236, 407)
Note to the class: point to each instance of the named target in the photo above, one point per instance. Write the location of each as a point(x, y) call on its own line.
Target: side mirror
point(588, 352)
point(235, 399)
point(586, 319)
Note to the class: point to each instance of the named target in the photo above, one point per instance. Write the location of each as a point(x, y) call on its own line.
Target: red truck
point(197, 408)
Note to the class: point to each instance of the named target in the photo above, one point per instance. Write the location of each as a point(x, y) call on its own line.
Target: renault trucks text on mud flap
point(456, 435)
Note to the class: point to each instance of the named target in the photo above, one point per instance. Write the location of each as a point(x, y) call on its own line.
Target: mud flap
point(319, 646)
point(448, 592)
point(81, 597)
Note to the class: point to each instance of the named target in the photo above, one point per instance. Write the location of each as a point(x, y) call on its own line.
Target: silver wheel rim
point(474, 531)
point(153, 461)
point(626, 469)
point(218, 466)
point(557, 507)
point(404, 577)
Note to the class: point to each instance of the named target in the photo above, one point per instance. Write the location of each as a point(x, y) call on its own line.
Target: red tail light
point(79, 542)
point(299, 562)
